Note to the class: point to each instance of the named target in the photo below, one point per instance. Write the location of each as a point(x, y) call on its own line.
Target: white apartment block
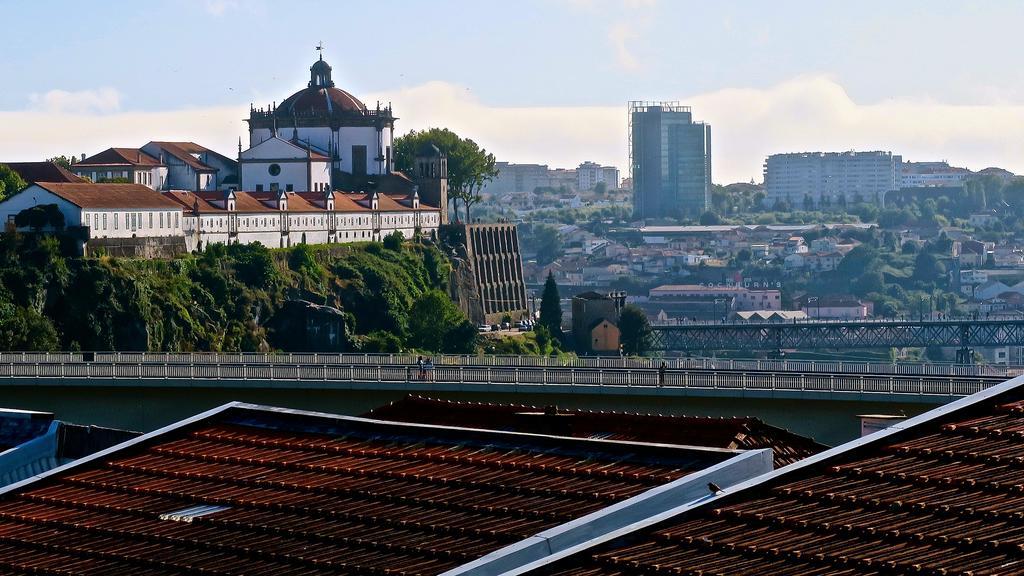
point(589, 174)
point(828, 178)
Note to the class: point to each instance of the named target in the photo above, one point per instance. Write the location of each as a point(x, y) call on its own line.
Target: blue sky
point(533, 80)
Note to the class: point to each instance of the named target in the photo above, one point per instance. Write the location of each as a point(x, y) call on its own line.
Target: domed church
point(323, 138)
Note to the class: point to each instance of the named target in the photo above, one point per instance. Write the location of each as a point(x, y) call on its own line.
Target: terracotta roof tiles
point(32, 172)
point(941, 496)
point(120, 157)
point(265, 491)
point(111, 196)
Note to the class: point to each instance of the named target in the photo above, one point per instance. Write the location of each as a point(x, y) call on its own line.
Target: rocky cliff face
point(462, 288)
point(301, 326)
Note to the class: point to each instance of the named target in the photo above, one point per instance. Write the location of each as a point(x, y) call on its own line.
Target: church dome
point(320, 96)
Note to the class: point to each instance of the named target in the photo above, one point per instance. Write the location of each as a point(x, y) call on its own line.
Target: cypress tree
point(551, 307)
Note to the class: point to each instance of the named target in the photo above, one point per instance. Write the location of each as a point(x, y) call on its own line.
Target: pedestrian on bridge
point(419, 366)
point(428, 367)
point(661, 373)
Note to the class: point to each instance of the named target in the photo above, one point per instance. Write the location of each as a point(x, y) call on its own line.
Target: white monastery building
point(318, 169)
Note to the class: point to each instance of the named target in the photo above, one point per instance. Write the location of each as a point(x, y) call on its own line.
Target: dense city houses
point(318, 168)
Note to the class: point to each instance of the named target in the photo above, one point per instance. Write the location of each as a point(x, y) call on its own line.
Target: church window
point(274, 186)
point(359, 160)
point(289, 188)
point(274, 169)
point(175, 220)
point(259, 187)
point(116, 218)
point(161, 219)
point(150, 219)
point(104, 221)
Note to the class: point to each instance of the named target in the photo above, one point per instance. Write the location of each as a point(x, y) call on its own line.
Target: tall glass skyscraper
point(670, 160)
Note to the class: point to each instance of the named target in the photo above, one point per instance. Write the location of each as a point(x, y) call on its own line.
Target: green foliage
point(709, 219)
point(25, 329)
point(10, 182)
point(39, 217)
point(545, 242)
point(437, 325)
point(394, 241)
point(470, 167)
point(219, 300)
point(551, 307)
point(634, 330)
point(62, 161)
point(381, 342)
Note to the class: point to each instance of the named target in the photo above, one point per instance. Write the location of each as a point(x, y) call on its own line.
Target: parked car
point(484, 328)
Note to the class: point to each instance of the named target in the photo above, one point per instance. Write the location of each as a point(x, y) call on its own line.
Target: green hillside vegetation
point(224, 298)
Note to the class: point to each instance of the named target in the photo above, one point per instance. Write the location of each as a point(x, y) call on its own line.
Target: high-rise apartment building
point(830, 178)
point(670, 160)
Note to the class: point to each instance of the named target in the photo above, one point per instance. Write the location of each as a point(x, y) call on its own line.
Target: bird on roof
point(714, 488)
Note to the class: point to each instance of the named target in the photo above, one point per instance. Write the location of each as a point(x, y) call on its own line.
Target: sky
point(539, 81)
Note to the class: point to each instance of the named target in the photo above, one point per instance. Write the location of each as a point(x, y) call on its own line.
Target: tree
point(394, 241)
point(470, 167)
point(10, 182)
point(709, 219)
point(928, 268)
point(634, 330)
point(39, 217)
point(551, 307)
point(857, 261)
point(62, 161)
point(436, 324)
point(870, 281)
point(547, 244)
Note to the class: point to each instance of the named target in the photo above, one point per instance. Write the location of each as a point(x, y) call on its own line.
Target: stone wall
point(149, 247)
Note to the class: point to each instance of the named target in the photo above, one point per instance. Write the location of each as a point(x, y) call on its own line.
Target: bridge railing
point(499, 361)
point(521, 376)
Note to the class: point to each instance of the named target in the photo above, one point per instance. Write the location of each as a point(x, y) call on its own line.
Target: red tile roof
point(119, 157)
point(744, 433)
point(32, 172)
point(249, 490)
point(941, 494)
point(111, 196)
point(184, 151)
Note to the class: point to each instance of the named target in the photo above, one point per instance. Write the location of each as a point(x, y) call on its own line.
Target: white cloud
point(101, 100)
point(620, 35)
point(806, 113)
point(219, 7)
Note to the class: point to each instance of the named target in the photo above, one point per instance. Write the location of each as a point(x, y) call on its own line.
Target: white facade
point(284, 219)
point(277, 164)
point(828, 178)
point(147, 215)
point(377, 144)
point(589, 174)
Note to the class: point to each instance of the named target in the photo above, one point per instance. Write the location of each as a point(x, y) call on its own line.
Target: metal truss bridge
point(962, 334)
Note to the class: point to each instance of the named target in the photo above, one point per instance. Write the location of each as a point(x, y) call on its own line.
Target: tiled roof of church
point(940, 493)
point(253, 490)
point(304, 202)
point(736, 433)
point(120, 157)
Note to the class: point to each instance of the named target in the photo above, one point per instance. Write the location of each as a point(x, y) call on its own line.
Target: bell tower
point(431, 178)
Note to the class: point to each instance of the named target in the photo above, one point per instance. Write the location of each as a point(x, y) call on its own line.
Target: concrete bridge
point(771, 379)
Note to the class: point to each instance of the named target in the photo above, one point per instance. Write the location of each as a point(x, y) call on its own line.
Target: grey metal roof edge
point(874, 438)
point(696, 450)
point(612, 521)
point(145, 438)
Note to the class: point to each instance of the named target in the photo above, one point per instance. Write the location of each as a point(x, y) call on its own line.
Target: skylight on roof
point(190, 514)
